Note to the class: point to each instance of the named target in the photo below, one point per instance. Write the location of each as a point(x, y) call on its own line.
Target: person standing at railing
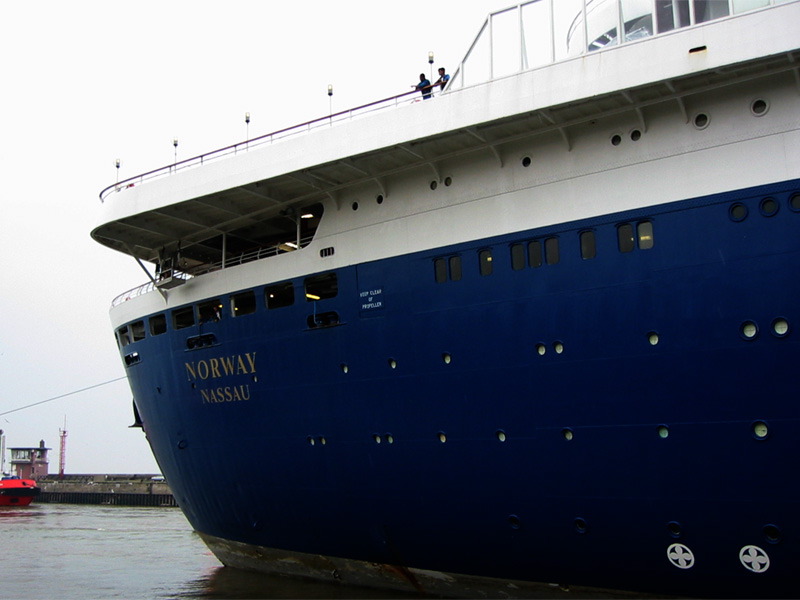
point(424, 86)
point(443, 78)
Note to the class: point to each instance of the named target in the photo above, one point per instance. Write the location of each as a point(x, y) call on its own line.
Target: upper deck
point(532, 70)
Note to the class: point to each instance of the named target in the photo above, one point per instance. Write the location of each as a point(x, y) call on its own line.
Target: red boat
point(17, 492)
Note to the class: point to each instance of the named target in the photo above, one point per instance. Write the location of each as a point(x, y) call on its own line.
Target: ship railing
point(230, 261)
point(269, 138)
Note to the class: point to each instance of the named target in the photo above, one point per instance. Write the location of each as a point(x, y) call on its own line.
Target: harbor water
point(84, 552)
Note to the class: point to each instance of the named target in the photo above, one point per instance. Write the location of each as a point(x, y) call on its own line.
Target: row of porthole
point(448, 181)
point(541, 350)
point(768, 207)
point(779, 328)
point(759, 429)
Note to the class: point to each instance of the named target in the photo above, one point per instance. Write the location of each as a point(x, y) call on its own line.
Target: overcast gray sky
point(84, 83)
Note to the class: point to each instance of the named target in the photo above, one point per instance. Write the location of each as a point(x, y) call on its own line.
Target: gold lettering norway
point(222, 366)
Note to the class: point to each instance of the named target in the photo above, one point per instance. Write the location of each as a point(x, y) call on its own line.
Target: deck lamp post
point(330, 102)
point(247, 128)
point(175, 144)
point(118, 164)
point(430, 62)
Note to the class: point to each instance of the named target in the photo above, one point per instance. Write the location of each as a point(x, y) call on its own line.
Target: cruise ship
point(532, 336)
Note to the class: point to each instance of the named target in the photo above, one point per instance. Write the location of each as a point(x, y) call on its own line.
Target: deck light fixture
point(175, 144)
point(118, 164)
point(247, 129)
point(430, 62)
point(330, 102)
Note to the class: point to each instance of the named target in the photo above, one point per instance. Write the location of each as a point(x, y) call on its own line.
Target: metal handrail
point(392, 101)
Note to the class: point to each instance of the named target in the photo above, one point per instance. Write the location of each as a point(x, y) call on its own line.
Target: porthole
point(514, 521)
point(322, 440)
point(541, 349)
point(759, 107)
point(701, 120)
point(526, 162)
point(377, 438)
point(448, 181)
point(780, 327)
point(616, 140)
point(636, 135)
point(389, 438)
point(355, 205)
point(446, 358)
point(434, 184)
point(652, 338)
point(737, 212)
point(501, 435)
point(760, 430)
point(311, 441)
point(392, 363)
point(674, 529)
point(567, 434)
point(768, 207)
point(344, 368)
point(379, 199)
point(558, 347)
point(748, 330)
point(663, 431)
point(442, 437)
point(772, 533)
point(580, 525)
point(794, 202)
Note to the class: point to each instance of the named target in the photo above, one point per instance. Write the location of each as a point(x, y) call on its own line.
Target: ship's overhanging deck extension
point(263, 216)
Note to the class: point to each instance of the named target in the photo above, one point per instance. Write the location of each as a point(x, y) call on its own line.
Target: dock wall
point(114, 490)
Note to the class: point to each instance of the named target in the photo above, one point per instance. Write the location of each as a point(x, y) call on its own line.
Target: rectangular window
point(645, 231)
point(440, 270)
point(122, 334)
point(137, 330)
point(279, 295)
point(517, 256)
point(485, 262)
point(535, 254)
point(209, 311)
point(243, 304)
point(588, 247)
point(320, 287)
point(551, 251)
point(455, 268)
point(158, 324)
point(625, 239)
point(183, 317)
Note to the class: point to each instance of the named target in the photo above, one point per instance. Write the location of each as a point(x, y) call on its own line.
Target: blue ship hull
point(605, 421)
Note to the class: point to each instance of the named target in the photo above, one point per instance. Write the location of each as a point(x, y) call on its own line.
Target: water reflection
point(224, 582)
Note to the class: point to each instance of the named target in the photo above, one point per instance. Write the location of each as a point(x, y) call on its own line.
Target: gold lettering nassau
point(217, 368)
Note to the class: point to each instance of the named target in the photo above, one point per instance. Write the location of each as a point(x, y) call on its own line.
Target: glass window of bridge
point(551, 252)
point(517, 256)
point(485, 262)
point(183, 317)
point(440, 270)
point(625, 239)
point(320, 287)
point(209, 311)
point(645, 234)
point(123, 336)
point(455, 268)
point(158, 324)
point(137, 331)
point(588, 246)
point(535, 254)
point(243, 303)
point(279, 295)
